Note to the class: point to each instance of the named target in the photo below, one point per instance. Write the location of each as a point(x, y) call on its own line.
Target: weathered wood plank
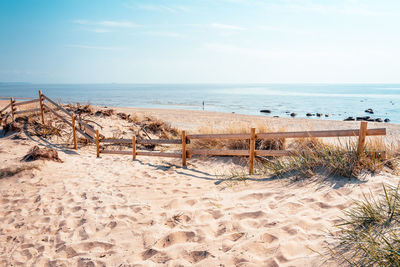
point(57, 105)
point(116, 152)
point(217, 152)
point(97, 144)
point(330, 133)
point(27, 110)
point(91, 139)
point(90, 131)
point(87, 127)
point(361, 137)
point(58, 115)
point(74, 132)
point(143, 142)
point(6, 107)
point(143, 153)
point(20, 103)
point(159, 154)
point(218, 136)
point(117, 141)
point(275, 153)
point(41, 106)
point(159, 141)
point(184, 153)
point(134, 147)
point(252, 148)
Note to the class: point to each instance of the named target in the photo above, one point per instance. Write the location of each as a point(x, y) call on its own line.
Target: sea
point(337, 101)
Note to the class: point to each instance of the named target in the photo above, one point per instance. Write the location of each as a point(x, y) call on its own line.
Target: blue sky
point(202, 41)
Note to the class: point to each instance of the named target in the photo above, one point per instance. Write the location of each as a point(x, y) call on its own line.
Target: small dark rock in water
point(265, 111)
point(327, 115)
point(378, 120)
point(293, 114)
point(308, 114)
point(287, 112)
point(349, 119)
point(386, 120)
point(276, 116)
point(371, 119)
point(319, 114)
point(364, 118)
point(370, 111)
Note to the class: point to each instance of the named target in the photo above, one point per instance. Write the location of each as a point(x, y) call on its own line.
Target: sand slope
point(113, 211)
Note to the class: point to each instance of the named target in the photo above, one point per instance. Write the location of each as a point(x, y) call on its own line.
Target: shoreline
point(195, 119)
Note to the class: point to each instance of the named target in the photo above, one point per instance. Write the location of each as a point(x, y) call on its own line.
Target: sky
point(200, 41)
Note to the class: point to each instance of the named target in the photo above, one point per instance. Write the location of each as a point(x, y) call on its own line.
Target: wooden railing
point(252, 137)
point(68, 117)
point(15, 108)
point(95, 137)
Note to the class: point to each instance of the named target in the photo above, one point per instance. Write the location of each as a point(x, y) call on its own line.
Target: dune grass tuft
point(370, 233)
point(313, 156)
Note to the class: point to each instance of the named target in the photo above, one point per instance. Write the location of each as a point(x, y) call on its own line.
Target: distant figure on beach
point(203, 105)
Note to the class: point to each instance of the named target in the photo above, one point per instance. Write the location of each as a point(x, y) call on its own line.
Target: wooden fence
point(48, 105)
point(45, 104)
point(185, 153)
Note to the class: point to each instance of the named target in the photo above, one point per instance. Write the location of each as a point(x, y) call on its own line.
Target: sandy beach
point(113, 211)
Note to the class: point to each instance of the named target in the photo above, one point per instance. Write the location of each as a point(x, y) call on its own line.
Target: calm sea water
point(338, 100)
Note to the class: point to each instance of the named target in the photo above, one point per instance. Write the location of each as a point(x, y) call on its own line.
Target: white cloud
point(166, 34)
point(99, 30)
point(95, 47)
point(120, 24)
point(107, 23)
point(326, 9)
point(162, 8)
point(226, 27)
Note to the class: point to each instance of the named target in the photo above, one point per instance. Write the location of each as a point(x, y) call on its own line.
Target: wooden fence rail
point(186, 152)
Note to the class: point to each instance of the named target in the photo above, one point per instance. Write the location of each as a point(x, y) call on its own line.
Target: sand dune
point(112, 211)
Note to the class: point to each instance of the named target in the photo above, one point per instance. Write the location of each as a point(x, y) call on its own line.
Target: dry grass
point(314, 156)
point(11, 171)
point(235, 128)
point(80, 109)
point(370, 233)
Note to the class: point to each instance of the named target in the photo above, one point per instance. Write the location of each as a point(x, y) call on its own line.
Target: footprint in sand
point(268, 238)
point(257, 196)
point(89, 246)
point(250, 215)
point(197, 256)
point(174, 238)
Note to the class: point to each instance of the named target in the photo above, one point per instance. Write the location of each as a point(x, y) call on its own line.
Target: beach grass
point(313, 156)
point(370, 232)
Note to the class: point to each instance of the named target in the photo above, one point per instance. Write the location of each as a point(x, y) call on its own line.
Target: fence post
point(361, 137)
point(12, 101)
point(41, 106)
point(252, 150)
point(74, 131)
point(184, 148)
point(134, 147)
point(97, 143)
